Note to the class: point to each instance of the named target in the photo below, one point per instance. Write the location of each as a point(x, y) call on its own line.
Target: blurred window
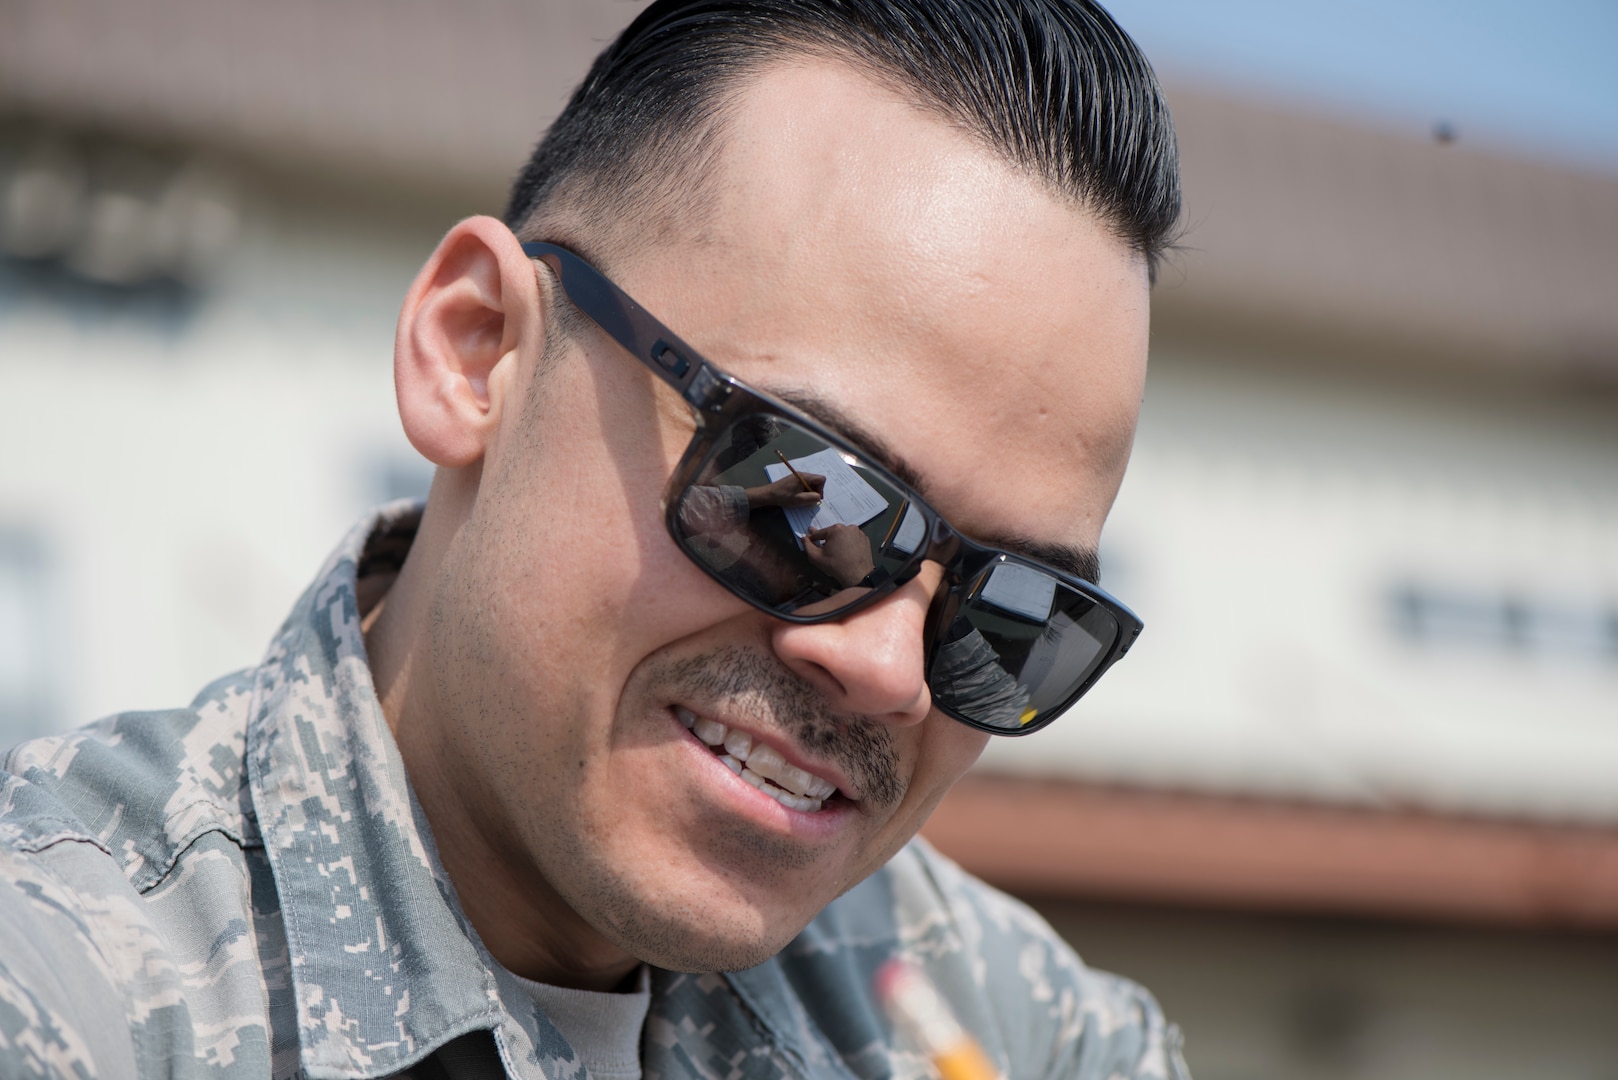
point(97, 223)
point(1433, 615)
point(27, 660)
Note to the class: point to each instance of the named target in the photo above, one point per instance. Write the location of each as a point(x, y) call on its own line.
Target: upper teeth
point(758, 764)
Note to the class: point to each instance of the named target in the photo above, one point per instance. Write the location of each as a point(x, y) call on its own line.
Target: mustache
point(748, 683)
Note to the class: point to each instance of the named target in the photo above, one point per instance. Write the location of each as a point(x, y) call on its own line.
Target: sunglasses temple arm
point(626, 322)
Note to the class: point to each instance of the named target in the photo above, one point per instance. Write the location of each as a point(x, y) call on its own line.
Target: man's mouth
point(758, 764)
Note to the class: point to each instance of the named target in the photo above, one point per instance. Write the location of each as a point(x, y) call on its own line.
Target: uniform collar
point(385, 966)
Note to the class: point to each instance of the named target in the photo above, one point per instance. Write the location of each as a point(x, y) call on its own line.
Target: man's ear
point(472, 312)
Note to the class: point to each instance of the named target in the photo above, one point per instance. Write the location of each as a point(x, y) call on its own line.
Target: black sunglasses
point(801, 524)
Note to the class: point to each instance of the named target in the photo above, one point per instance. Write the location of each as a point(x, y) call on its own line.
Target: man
point(605, 763)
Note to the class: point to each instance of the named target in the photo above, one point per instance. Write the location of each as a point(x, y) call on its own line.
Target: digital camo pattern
point(246, 888)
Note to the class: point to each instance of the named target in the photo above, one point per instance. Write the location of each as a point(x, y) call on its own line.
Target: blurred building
point(1372, 525)
point(1350, 808)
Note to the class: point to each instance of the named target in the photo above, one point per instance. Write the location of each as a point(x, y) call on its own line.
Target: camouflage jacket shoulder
point(246, 888)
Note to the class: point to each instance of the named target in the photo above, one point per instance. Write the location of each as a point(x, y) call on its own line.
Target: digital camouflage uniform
point(246, 887)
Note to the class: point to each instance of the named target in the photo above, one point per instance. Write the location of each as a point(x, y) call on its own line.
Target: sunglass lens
point(792, 523)
point(1021, 647)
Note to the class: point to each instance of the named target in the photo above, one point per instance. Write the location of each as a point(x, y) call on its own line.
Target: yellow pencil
point(806, 485)
point(917, 1009)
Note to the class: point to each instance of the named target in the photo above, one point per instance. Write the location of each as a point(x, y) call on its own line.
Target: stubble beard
point(666, 928)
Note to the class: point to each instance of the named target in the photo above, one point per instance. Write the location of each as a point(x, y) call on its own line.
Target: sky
point(1536, 79)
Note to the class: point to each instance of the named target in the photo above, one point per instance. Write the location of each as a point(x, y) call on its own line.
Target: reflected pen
point(806, 485)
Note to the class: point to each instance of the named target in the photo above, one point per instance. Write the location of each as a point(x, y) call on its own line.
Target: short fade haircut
point(1054, 86)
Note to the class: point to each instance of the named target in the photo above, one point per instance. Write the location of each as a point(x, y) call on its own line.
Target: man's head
point(972, 294)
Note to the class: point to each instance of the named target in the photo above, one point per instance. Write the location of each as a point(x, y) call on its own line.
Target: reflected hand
point(841, 551)
point(787, 492)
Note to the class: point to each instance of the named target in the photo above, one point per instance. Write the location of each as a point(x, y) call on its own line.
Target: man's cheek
point(950, 748)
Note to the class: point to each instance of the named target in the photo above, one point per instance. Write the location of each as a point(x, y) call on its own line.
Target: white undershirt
point(603, 1029)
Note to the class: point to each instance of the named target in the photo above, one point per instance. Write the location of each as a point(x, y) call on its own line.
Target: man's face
point(862, 253)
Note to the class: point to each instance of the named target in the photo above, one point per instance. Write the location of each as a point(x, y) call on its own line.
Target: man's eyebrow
point(1082, 562)
point(856, 433)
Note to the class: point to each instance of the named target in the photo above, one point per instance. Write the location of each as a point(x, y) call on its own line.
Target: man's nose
point(873, 661)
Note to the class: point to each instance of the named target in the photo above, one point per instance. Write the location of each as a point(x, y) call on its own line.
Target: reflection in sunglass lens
point(1020, 648)
point(789, 521)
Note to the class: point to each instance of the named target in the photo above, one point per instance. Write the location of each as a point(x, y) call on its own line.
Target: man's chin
point(702, 937)
point(727, 957)
point(682, 949)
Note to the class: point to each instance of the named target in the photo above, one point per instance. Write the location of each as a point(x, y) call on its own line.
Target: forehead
point(864, 252)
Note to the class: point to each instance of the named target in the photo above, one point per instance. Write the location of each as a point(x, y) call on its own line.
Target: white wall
point(184, 475)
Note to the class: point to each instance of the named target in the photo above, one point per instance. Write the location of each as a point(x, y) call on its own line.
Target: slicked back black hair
point(1054, 85)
